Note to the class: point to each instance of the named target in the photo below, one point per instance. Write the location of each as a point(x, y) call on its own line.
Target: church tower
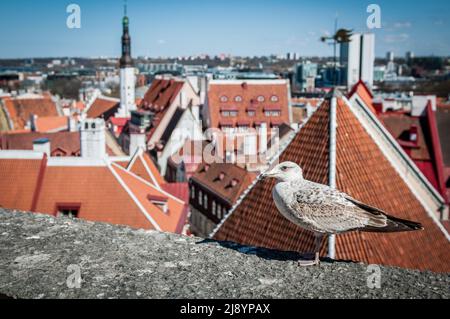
point(127, 75)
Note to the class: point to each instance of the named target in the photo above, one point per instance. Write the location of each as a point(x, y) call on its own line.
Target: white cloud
point(402, 25)
point(394, 38)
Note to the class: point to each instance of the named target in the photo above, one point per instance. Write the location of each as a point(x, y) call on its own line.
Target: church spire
point(126, 60)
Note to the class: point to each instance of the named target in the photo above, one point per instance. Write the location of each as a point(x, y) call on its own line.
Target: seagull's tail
point(394, 224)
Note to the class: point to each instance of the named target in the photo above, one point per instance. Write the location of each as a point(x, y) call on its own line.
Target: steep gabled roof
point(162, 94)
point(361, 91)
point(103, 107)
point(142, 165)
point(102, 191)
point(364, 172)
point(226, 180)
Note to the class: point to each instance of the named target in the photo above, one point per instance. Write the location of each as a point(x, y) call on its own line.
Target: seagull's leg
point(317, 245)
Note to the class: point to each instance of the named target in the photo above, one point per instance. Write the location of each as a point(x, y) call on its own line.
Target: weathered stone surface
point(40, 254)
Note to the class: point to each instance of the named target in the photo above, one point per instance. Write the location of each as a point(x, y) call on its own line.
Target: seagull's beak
point(268, 175)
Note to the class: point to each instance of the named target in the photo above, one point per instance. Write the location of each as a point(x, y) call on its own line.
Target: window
point(238, 99)
point(272, 113)
point(251, 113)
point(200, 197)
point(205, 201)
point(274, 98)
point(225, 113)
point(192, 192)
point(68, 211)
point(223, 99)
point(260, 99)
point(233, 113)
point(219, 211)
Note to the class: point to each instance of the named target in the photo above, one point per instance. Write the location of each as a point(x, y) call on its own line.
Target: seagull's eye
point(284, 168)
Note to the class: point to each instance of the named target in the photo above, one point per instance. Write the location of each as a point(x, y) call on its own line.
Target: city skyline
point(251, 28)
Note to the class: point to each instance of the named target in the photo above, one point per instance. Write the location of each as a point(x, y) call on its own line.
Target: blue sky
point(30, 28)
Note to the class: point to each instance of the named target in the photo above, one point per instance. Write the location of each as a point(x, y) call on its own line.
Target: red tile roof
point(364, 173)
point(244, 95)
point(107, 193)
point(61, 143)
point(19, 110)
point(142, 165)
point(161, 94)
point(159, 97)
point(364, 93)
point(103, 107)
point(219, 178)
point(51, 123)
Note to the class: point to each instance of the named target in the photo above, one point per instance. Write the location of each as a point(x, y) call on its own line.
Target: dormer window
point(222, 176)
point(238, 99)
point(274, 98)
point(160, 202)
point(68, 210)
point(260, 99)
point(223, 99)
point(234, 182)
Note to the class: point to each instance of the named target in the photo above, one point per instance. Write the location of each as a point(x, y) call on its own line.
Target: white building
point(358, 56)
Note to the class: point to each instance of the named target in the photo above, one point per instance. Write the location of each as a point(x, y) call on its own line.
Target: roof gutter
point(332, 168)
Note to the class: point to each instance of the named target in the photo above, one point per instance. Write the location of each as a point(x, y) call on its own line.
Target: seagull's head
point(285, 172)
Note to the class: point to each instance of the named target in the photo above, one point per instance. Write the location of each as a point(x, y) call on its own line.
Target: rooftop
point(118, 262)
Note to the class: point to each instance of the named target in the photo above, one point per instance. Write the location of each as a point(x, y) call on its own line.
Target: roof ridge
point(131, 194)
point(149, 184)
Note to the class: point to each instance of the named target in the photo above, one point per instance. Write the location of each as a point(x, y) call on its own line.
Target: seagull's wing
point(339, 212)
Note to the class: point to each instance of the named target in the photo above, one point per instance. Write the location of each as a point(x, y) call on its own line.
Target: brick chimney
point(93, 138)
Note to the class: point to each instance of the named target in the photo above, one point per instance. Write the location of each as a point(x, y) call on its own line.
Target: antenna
point(125, 8)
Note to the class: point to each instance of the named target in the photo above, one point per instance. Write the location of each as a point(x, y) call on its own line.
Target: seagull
point(324, 210)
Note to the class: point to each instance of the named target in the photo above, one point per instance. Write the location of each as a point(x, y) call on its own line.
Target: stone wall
point(43, 257)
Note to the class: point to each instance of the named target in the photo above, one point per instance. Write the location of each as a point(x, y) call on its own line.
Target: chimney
point(93, 138)
point(42, 145)
point(71, 124)
point(263, 138)
point(33, 120)
point(413, 134)
point(137, 140)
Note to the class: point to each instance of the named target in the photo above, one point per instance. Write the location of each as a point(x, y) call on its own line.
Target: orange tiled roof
point(107, 193)
point(143, 166)
point(18, 182)
point(161, 94)
point(218, 178)
point(364, 93)
point(51, 123)
point(364, 173)
point(20, 110)
point(63, 143)
point(103, 107)
point(245, 96)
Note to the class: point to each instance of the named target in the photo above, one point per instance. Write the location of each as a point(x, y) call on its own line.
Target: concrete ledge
point(40, 255)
